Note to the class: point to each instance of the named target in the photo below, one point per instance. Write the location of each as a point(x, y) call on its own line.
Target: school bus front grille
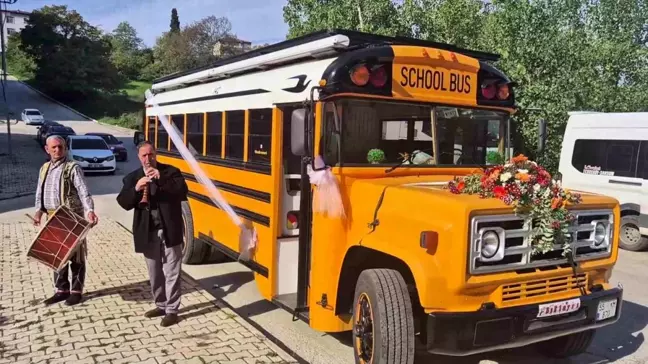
point(527, 291)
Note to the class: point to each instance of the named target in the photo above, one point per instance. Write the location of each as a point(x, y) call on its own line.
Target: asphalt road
point(620, 343)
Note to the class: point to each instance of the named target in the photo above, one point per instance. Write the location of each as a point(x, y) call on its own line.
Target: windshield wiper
point(410, 159)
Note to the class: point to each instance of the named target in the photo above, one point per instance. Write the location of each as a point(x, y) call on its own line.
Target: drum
point(59, 238)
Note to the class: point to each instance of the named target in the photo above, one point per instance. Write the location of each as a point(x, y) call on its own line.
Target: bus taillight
point(488, 90)
point(360, 75)
point(503, 92)
point(378, 77)
point(292, 220)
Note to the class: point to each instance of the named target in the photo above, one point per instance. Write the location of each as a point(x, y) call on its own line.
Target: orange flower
point(556, 202)
point(520, 158)
point(495, 175)
point(460, 186)
point(523, 177)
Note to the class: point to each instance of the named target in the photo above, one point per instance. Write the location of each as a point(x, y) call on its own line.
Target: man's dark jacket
point(170, 190)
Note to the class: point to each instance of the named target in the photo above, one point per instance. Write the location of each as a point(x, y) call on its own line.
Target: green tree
point(128, 53)
point(19, 63)
point(71, 57)
point(175, 21)
point(564, 55)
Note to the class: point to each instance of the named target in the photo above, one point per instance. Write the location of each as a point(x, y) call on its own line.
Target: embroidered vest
point(69, 196)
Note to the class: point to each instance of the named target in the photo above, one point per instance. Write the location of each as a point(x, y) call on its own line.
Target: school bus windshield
point(425, 135)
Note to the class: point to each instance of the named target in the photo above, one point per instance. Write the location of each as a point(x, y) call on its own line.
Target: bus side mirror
point(542, 135)
point(297, 130)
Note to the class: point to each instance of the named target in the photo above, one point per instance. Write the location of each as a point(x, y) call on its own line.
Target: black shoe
point(156, 312)
point(75, 298)
point(169, 319)
point(58, 297)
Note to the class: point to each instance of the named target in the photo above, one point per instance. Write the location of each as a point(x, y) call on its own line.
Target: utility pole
point(3, 15)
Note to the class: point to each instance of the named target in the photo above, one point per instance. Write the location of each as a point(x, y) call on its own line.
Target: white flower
point(523, 171)
point(536, 187)
point(505, 176)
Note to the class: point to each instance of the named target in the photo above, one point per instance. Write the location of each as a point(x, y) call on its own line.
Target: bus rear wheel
point(383, 322)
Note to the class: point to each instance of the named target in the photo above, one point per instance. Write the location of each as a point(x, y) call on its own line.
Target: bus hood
point(430, 192)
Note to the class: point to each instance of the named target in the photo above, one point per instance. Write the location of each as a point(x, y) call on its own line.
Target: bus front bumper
point(460, 334)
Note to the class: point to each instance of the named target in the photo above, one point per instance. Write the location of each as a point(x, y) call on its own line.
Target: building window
point(214, 134)
point(178, 121)
point(235, 133)
point(11, 31)
point(162, 137)
point(260, 136)
point(606, 157)
point(9, 20)
point(195, 132)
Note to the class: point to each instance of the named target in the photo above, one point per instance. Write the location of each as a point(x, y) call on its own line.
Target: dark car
point(61, 130)
point(119, 151)
point(42, 130)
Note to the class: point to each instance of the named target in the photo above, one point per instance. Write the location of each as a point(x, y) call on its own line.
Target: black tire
point(391, 340)
point(629, 236)
point(193, 251)
point(566, 346)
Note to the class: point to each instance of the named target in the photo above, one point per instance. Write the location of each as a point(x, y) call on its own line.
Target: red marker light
point(488, 91)
point(378, 77)
point(360, 75)
point(503, 92)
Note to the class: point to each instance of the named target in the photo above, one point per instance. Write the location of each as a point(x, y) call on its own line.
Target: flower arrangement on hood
point(534, 195)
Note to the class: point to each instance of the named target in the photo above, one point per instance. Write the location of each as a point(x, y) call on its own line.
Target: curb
point(55, 101)
point(18, 195)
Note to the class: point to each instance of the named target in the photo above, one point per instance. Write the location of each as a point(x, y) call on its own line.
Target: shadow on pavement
point(134, 292)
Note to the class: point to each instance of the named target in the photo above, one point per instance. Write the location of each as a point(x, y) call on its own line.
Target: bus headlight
point(601, 235)
point(491, 247)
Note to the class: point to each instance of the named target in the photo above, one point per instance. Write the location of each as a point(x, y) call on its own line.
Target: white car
point(32, 117)
point(92, 153)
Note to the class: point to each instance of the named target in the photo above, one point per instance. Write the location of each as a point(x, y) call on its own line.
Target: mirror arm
point(310, 132)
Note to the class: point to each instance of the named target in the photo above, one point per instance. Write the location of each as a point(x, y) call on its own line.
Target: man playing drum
point(61, 182)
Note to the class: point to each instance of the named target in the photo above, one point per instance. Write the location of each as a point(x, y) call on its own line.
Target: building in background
point(14, 21)
point(229, 46)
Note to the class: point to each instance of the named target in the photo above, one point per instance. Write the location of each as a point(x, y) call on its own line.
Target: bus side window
point(214, 134)
point(235, 134)
point(260, 136)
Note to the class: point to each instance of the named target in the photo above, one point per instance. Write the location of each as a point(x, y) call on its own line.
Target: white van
point(607, 154)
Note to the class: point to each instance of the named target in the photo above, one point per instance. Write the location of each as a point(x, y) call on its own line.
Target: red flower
point(499, 191)
point(460, 186)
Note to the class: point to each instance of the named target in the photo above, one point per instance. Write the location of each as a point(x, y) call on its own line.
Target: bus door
point(293, 263)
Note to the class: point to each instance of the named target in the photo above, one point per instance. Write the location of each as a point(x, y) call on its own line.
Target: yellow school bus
point(404, 269)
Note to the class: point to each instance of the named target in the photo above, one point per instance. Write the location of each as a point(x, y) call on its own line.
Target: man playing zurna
point(61, 182)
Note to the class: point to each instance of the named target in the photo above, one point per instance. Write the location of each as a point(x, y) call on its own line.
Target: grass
point(122, 108)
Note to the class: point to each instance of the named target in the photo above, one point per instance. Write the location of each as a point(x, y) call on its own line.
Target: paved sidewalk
point(109, 325)
point(19, 172)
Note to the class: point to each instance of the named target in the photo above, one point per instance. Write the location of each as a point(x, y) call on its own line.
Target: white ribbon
point(248, 237)
point(327, 199)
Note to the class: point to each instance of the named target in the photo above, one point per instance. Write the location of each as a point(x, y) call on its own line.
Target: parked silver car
point(32, 117)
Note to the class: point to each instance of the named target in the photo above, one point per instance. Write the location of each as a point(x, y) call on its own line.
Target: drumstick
point(31, 218)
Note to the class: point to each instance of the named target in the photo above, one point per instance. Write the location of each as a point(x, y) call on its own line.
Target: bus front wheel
point(383, 322)
point(193, 251)
point(566, 346)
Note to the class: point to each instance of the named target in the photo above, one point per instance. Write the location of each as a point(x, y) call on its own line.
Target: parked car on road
point(138, 137)
point(41, 130)
point(92, 153)
point(59, 129)
point(32, 117)
point(119, 151)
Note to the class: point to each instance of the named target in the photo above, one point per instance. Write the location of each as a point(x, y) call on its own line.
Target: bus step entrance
point(289, 303)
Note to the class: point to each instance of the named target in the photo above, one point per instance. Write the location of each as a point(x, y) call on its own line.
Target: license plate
point(95, 165)
point(559, 308)
point(606, 309)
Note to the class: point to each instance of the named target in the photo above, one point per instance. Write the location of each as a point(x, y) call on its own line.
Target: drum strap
point(44, 172)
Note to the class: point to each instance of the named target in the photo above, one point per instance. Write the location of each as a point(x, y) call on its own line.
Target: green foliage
point(70, 56)
point(131, 120)
point(175, 21)
point(19, 63)
point(128, 53)
point(191, 47)
point(375, 156)
point(494, 157)
point(565, 55)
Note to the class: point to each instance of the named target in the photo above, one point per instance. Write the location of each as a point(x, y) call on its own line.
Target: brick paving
point(19, 172)
point(109, 326)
